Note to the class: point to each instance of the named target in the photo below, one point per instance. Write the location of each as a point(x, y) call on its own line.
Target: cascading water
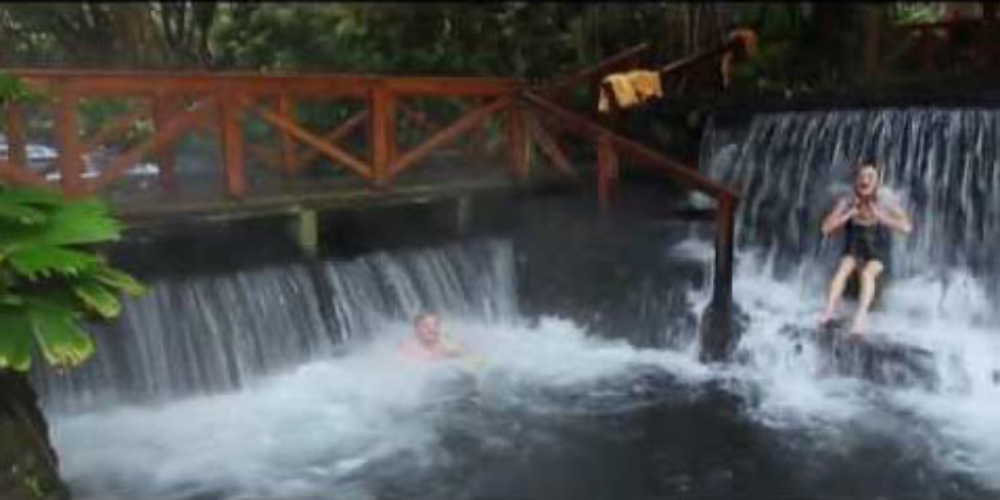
point(219, 333)
point(941, 291)
point(283, 382)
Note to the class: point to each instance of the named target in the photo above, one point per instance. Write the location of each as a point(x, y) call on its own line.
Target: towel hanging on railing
point(630, 89)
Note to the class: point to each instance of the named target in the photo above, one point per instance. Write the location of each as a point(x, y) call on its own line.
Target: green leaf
point(15, 339)
point(34, 261)
point(119, 280)
point(61, 340)
point(98, 298)
point(71, 223)
point(20, 213)
point(31, 196)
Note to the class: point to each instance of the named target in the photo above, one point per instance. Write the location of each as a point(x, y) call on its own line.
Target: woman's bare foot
point(858, 325)
point(825, 318)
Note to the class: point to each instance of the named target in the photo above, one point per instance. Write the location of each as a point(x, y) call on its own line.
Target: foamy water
point(340, 423)
point(950, 318)
point(324, 425)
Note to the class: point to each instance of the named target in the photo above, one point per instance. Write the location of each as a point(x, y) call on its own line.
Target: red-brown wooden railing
point(219, 104)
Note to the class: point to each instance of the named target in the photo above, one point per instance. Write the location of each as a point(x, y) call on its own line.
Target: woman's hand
point(895, 219)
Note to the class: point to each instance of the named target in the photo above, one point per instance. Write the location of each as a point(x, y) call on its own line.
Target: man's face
point(866, 181)
point(429, 329)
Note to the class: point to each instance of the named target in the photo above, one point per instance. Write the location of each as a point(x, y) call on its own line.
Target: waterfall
point(940, 292)
point(213, 333)
point(942, 164)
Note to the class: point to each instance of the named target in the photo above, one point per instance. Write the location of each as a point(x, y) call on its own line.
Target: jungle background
point(810, 49)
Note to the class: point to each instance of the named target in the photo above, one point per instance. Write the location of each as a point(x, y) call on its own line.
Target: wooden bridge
point(270, 157)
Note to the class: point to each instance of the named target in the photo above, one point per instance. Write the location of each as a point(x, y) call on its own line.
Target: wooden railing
point(219, 104)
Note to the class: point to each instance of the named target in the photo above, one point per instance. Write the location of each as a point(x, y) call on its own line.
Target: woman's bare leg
point(869, 273)
point(836, 291)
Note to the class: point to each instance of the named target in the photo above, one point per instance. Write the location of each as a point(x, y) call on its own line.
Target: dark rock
point(28, 464)
point(871, 357)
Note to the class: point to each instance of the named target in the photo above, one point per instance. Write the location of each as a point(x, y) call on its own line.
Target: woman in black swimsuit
point(867, 223)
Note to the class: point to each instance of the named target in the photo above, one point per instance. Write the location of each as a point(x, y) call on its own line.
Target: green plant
point(49, 280)
point(12, 89)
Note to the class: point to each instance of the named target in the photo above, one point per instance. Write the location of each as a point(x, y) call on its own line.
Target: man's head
point(866, 180)
point(427, 328)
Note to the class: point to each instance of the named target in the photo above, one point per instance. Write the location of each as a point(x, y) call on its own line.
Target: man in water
point(867, 220)
point(427, 343)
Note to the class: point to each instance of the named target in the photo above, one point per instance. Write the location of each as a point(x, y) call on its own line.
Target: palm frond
point(62, 341)
point(118, 280)
point(98, 298)
point(15, 339)
point(35, 262)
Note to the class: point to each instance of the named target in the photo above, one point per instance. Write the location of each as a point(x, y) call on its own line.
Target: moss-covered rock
point(28, 466)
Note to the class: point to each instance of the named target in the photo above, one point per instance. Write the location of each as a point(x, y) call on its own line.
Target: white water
point(339, 423)
point(329, 425)
point(942, 290)
point(334, 423)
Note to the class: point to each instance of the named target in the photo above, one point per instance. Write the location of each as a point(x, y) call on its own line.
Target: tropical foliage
point(49, 280)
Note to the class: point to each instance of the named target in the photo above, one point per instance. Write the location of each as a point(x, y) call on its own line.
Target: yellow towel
point(630, 89)
point(646, 84)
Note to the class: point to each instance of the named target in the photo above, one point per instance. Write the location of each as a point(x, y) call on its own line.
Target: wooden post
point(718, 334)
point(16, 136)
point(463, 215)
point(607, 172)
point(307, 231)
point(231, 143)
point(163, 107)
point(382, 134)
point(68, 132)
point(518, 142)
point(286, 109)
point(722, 288)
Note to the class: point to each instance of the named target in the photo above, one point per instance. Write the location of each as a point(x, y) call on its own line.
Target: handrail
point(582, 125)
point(595, 69)
point(696, 58)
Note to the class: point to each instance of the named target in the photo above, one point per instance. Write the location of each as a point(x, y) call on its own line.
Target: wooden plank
point(165, 106)
point(518, 144)
point(382, 138)
point(451, 87)
point(286, 109)
point(68, 137)
point(552, 150)
point(17, 140)
point(585, 127)
point(606, 65)
point(722, 289)
point(338, 133)
point(334, 153)
point(171, 131)
point(19, 175)
point(230, 125)
point(448, 134)
point(709, 53)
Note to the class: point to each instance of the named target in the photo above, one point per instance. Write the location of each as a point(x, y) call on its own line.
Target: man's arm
point(841, 213)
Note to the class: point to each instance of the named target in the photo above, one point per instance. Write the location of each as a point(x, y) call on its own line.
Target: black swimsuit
point(866, 242)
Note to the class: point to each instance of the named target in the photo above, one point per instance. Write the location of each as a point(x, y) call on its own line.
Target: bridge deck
point(441, 178)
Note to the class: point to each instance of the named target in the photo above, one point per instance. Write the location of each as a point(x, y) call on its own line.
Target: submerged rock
point(872, 357)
